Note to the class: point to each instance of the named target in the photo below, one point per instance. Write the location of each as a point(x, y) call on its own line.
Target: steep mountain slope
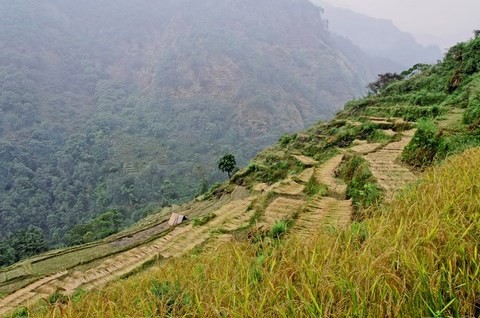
point(378, 37)
point(354, 244)
point(113, 104)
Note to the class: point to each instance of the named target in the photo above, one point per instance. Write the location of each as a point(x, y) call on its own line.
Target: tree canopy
point(227, 164)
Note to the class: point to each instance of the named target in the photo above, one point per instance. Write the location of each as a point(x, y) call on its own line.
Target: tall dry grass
point(416, 257)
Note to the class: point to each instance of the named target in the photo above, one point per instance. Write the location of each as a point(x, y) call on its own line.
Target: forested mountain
point(381, 202)
point(379, 37)
point(128, 104)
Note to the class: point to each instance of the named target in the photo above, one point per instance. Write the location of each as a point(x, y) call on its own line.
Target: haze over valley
point(111, 110)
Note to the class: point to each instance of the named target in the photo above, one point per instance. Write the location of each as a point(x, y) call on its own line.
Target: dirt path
point(383, 163)
point(179, 241)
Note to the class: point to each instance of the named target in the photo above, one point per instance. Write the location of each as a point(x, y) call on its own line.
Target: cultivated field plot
point(94, 265)
point(385, 167)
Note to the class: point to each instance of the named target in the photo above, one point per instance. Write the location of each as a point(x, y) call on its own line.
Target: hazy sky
point(442, 22)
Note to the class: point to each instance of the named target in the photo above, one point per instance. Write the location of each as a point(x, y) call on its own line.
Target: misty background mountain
point(379, 37)
point(128, 104)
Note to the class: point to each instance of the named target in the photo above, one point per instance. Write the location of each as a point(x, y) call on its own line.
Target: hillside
point(107, 105)
point(339, 220)
point(378, 37)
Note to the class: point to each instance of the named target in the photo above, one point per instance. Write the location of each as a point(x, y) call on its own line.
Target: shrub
point(362, 187)
point(286, 139)
point(279, 229)
point(421, 151)
point(426, 98)
point(472, 113)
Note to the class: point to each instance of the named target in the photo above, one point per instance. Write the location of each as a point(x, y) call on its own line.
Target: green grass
point(362, 187)
point(279, 229)
point(313, 188)
point(204, 219)
point(416, 257)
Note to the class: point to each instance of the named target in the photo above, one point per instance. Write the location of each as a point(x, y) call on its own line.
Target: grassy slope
point(416, 256)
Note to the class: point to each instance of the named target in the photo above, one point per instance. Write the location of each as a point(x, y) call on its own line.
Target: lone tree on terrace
point(227, 164)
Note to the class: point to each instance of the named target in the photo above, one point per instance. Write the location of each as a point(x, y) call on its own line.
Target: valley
point(154, 241)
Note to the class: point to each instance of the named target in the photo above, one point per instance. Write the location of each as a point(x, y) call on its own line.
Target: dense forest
point(126, 106)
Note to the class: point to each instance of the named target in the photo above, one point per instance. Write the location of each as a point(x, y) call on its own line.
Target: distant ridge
point(378, 37)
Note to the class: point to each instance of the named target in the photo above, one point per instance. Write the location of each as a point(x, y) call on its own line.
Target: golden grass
point(415, 257)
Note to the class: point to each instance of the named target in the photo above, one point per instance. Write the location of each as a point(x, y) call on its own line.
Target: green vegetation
point(22, 244)
point(227, 164)
point(417, 256)
point(431, 95)
point(105, 225)
point(202, 220)
point(424, 146)
point(95, 117)
point(279, 229)
point(313, 187)
point(57, 298)
point(362, 187)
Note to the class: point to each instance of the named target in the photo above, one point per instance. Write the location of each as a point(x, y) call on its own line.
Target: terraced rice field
point(288, 187)
point(305, 176)
point(129, 252)
point(282, 209)
point(321, 212)
point(365, 148)
point(324, 213)
point(326, 175)
point(307, 161)
point(385, 167)
point(179, 241)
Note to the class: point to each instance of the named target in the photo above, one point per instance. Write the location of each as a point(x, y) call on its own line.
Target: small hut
point(176, 219)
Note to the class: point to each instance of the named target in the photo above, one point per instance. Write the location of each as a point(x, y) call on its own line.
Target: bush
point(472, 113)
point(287, 139)
point(279, 229)
point(426, 98)
point(362, 187)
point(343, 137)
point(366, 130)
point(456, 144)
point(421, 151)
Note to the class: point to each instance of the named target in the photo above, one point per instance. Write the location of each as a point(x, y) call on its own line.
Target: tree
point(476, 33)
point(227, 164)
point(7, 254)
point(29, 242)
point(383, 81)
